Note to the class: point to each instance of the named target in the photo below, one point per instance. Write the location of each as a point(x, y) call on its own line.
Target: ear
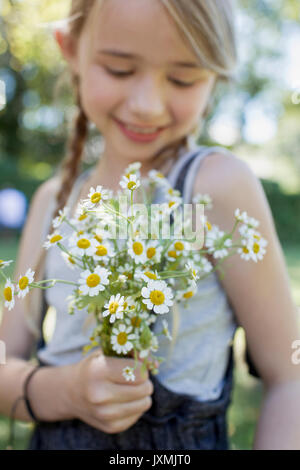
point(68, 47)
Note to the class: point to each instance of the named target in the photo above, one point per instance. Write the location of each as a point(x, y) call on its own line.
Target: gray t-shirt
point(197, 363)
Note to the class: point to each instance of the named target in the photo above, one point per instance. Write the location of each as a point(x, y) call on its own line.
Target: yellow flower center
point(125, 305)
point(171, 203)
point(170, 191)
point(151, 252)
point(129, 275)
point(122, 338)
point(83, 243)
point(256, 247)
point(98, 238)
point(96, 197)
point(1, 261)
point(137, 248)
point(55, 239)
point(8, 294)
point(208, 225)
point(188, 295)
point(136, 321)
point(113, 307)
point(93, 280)
point(179, 246)
point(160, 175)
point(157, 297)
point(172, 254)
point(245, 250)
point(82, 217)
point(131, 185)
point(23, 282)
point(101, 250)
point(150, 275)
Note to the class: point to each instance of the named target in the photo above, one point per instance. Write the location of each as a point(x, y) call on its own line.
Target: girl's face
point(128, 60)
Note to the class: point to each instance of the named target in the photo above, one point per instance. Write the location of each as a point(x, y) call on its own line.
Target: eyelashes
point(123, 74)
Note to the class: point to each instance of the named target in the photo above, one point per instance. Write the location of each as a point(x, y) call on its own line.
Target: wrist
point(48, 393)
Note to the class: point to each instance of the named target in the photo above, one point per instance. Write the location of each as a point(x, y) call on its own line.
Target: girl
point(144, 72)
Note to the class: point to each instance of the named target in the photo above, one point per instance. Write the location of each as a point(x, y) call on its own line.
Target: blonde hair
point(207, 26)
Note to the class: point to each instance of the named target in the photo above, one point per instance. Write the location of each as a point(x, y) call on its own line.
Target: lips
point(139, 126)
point(138, 136)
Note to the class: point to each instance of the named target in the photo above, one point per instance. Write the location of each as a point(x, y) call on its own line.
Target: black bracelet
point(11, 439)
point(25, 393)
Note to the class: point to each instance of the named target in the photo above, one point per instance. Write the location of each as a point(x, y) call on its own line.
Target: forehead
point(141, 27)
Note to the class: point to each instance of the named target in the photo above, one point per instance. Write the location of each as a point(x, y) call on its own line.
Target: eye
point(123, 73)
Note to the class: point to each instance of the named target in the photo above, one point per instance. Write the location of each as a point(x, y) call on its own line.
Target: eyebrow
point(126, 55)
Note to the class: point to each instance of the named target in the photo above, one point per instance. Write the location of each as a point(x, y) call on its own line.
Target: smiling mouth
point(141, 129)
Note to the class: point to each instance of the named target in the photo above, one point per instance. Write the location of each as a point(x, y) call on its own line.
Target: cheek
point(191, 104)
point(99, 93)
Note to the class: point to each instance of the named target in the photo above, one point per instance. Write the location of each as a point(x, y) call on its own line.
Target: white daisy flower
point(165, 330)
point(153, 347)
point(115, 308)
point(153, 251)
point(121, 339)
point(71, 263)
point(62, 214)
point(188, 293)
point(130, 182)
point(53, 239)
point(245, 251)
point(83, 244)
point(157, 296)
point(128, 374)
point(241, 217)
point(95, 197)
point(146, 275)
point(104, 252)
point(137, 250)
point(216, 243)
point(204, 265)
point(127, 270)
point(24, 281)
point(204, 199)
point(177, 248)
point(4, 264)
point(134, 319)
point(91, 283)
point(172, 193)
point(256, 246)
point(158, 178)
point(133, 168)
point(8, 292)
point(193, 271)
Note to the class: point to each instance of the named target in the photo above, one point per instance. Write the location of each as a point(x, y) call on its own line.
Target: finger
point(122, 393)
point(121, 411)
point(115, 368)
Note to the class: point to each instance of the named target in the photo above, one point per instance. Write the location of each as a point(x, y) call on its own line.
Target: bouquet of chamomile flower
point(132, 268)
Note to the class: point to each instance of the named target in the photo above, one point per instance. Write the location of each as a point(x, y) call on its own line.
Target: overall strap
point(185, 183)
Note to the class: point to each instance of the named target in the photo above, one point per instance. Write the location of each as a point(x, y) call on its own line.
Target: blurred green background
point(257, 118)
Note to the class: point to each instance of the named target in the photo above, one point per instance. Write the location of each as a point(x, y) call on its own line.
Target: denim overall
point(174, 421)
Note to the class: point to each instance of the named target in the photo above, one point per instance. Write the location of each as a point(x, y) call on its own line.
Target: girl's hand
point(101, 396)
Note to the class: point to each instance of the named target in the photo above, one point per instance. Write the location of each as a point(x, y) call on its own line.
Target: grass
point(244, 409)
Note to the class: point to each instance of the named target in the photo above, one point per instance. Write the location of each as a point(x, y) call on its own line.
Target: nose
point(147, 101)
